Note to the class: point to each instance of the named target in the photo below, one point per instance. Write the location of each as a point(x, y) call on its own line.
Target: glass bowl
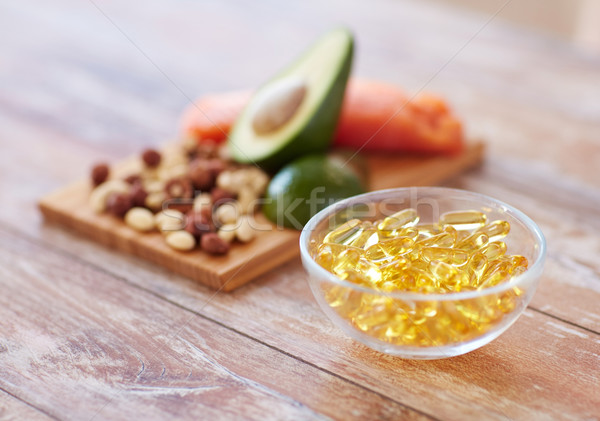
point(421, 325)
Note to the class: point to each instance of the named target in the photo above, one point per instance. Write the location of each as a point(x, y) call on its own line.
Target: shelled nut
point(180, 240)
point(245, 232)
point(140, 219)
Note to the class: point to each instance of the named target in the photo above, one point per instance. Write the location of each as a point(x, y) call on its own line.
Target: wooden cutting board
point(69, 207)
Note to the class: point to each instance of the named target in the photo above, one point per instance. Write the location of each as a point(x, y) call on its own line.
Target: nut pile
point(194, 195)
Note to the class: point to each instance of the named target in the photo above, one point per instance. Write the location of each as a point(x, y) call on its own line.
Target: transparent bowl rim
point(314, 268)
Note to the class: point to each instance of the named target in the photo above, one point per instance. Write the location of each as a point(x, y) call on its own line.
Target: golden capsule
point(402, 219)
point(369, 269)
point(426, 231)
point(473, 242)
point(495, 274)
point(463, 220)
point(397, 246)
point(325, 259)
point(493, 250)
point(347, 260)
point(363, 238)
point(343, 232)
point(376, 253)
point(519, 264)
point(443, 239)
point(394, 270)
point(334, 249)
point(448, 255)
point(476, 267)
point(354, 276)
point(495, 230)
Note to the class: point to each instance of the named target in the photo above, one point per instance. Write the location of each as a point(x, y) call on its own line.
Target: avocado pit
point(278, 104)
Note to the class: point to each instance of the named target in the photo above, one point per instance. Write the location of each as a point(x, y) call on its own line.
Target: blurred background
point(575, 20)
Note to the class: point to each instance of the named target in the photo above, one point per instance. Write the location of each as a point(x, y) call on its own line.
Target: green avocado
point(296, 112)
point(307, 185)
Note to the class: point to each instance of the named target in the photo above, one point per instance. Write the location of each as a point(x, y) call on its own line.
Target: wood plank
point(272, 246)
point(13, 409)
point(126, 354)
point(541, 368)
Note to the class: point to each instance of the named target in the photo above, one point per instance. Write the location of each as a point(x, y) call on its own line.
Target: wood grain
point(77, 91)
point(126, 354)
point(13, 409)
point(272, 246)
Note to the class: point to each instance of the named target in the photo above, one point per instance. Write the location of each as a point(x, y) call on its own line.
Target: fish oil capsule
point(325, 258)
point(443, 239)
point(402, 219)
point(354, 276)
point(519, 264)
point(428, 230)
point(476, 267)
point(343, 232)
point(473, 242)
point(448, 255)
point(495, 230)
point(369, 269)
point(494, 250)
point(410, 232)
point(347, 260)
point(334, 249)
point(393, 268)
point(397, 246)
point(363, 238)
point(463, 220)
point(495, 276)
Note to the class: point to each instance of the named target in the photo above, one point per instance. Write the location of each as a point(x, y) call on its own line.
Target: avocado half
point(296, 112)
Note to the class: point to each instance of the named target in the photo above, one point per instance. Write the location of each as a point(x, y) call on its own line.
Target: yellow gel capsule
point(335, 249)
point(363, 238)
point(474, 241)
point(354, 276)
point(476, 267)
point(464, 220)
point(498, 275)
point(495, 230)
point(343, 232)
point(443, 239)
point(347, 260)
point(397, 246)
point(376, 253)
point(410, 232)
point(404, 218)
point(428, 230)
point(445, 254)
point(325, 259)
point(519, 264)
point(369, 269)
point(494, 250)
point(394, 270)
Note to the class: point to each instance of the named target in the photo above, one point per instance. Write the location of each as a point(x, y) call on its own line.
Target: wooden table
point(87, 333)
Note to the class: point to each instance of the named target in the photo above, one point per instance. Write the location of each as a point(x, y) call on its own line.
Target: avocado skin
point(287, 194)
point(317, 135)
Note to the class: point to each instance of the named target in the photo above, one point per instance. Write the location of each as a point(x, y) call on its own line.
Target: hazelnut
point(213, 244)
point(179, 188)
point(198, 224)
point(201, 175)
point(151, 158)
point(220, 196)
point(100, 173)
point(118, 204)
point(138, 195)
point(133, 179)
